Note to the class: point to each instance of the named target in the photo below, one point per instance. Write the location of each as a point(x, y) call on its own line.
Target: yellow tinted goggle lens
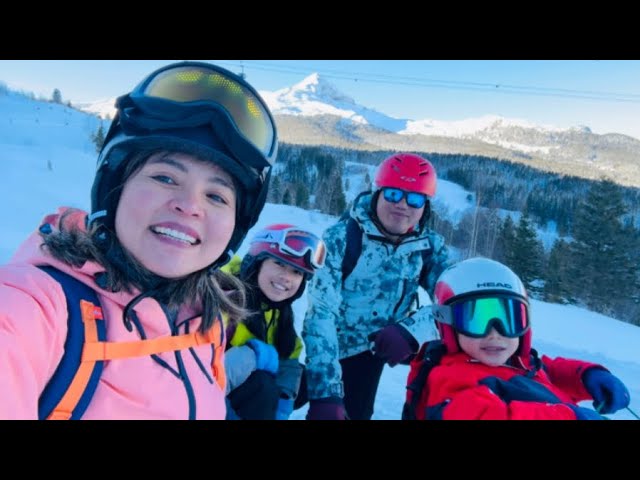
point(195, 84)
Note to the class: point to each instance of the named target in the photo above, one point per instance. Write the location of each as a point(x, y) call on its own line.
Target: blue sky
point(601, 94)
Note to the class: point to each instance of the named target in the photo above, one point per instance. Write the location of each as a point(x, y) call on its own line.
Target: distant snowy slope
point(104, 108)
point(30, 122)
point(46, 160)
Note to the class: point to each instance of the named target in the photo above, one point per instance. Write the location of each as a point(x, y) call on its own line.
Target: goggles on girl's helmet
point(295, 242)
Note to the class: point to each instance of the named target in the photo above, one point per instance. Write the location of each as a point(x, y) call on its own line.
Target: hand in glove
point(266, 356)
point(585, 413)
point(608, 392)
point(285, 408)
point(330, 408)
point(393, 344)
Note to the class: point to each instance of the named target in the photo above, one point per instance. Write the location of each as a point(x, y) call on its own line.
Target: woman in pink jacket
point(181, 178)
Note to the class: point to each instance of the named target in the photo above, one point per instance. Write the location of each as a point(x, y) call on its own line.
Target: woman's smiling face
point(176, 215)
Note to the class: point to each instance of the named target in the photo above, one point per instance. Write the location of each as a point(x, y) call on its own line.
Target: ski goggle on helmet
point(204, 93)
point(283, 241)
point(479, 294)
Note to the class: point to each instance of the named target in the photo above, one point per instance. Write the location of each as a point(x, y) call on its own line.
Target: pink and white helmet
point(295, 246)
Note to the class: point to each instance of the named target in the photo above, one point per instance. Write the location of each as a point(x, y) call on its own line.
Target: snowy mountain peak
point(316, 87)
point(315, 95)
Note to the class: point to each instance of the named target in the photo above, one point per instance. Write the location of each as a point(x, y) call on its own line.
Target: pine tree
point(527, 254)
point(556, 288)
point(56, 97)
point(275, 188)
point(338, 202)
point(286, 198)
point(329, 196)
point(601, 270)
point(98, 138)
point(302, 195)
point(506, 240)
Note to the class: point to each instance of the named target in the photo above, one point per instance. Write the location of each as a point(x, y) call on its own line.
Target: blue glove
point(266, 356)
point(585, 413)
point(608, 392)
point(285, 408)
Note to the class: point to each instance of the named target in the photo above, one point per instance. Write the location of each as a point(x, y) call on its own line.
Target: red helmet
point(408, 172)
point(295, 246)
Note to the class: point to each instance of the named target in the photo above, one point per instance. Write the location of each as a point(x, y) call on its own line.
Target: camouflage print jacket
point(381, 290)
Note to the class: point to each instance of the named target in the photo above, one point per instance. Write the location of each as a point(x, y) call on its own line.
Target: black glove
point(393, 344)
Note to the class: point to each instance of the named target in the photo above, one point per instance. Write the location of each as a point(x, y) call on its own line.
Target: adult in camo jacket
point(353, 327)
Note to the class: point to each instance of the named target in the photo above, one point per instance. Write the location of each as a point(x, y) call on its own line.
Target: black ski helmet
point(200, 109)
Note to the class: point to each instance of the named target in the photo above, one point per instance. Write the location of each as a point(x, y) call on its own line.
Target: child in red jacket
point(490, 371)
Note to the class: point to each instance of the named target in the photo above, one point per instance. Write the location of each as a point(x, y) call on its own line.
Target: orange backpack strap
point(71, 387)
point(217, 364)
point(64, 409)
point(96, 351)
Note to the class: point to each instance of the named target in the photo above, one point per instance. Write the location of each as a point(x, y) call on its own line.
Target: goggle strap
point(96, 215)
point(442, 314)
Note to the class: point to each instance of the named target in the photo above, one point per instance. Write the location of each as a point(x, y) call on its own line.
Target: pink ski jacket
point(182, 384)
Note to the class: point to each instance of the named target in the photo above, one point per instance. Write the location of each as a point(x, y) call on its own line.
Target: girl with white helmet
point(489, 370)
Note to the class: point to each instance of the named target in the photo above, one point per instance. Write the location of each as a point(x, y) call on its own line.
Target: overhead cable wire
point(449, 84)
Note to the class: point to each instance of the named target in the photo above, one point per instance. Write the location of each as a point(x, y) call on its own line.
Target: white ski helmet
point(477, 278)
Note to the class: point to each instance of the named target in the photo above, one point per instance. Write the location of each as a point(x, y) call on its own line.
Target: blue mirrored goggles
point(474, 317)
point(204, 93)
point(395, 195)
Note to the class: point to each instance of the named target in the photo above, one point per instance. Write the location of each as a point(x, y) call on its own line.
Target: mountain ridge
point(315, 112)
